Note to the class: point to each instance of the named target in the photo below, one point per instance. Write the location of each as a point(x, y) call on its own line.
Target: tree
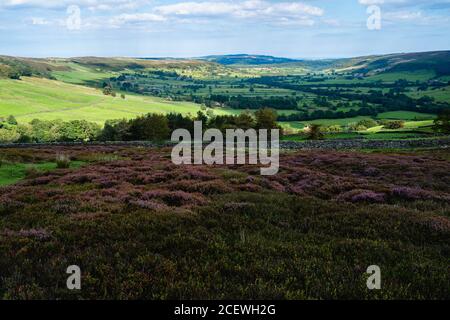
point(12, 120)
point(245, 121)
point(115, 130)
point(107, 90)
point(393, 125)
point(442, 122)
point(314, 132)
point(9, 135)
point(202, 117)
point(152, 127)
point(266, 119)
point(79, 130)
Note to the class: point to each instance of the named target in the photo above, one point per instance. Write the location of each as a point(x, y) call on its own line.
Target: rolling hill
point(45, 99)
point(433, 64)
point(68, 89)
point(246, 59)
point(437, 62)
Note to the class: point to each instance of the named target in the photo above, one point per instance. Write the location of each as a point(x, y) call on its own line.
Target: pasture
point(32, 98)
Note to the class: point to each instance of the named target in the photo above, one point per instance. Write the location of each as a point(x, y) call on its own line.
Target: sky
point(310, 29)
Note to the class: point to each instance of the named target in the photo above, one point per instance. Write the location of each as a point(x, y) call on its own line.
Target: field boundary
point(441, 143)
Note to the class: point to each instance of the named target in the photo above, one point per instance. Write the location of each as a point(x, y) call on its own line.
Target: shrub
point(9, 135)
point(442, 122)
point(368, 123)
point(335, 128)
point(314, 132)
point(393, 125)
point(31, 172)
point(62, 161)
point(12, 120)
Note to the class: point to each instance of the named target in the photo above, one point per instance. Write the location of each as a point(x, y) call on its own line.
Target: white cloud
point(253, 11)
point(39, 21)
point(404, 15)
point(58, 4)
point(135, 18)
point(284, 12)
point(371, 2)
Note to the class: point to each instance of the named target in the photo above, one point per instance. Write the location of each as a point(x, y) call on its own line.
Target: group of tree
point(108, 90)
point(158, 127)
point(47, 131)
point(442, 122)
point(246, 102)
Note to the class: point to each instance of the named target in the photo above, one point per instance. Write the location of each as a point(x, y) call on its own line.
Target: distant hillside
point(90, 70)
point(245, 59)
point(431, 64)
point(15, 67)
point(437, 62)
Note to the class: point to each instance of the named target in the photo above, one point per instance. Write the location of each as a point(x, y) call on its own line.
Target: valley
point(335, 94)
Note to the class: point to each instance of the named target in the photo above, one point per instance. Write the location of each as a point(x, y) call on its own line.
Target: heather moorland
point(141, 227)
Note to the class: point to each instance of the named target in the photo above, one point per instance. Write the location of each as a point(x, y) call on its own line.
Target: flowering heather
point(143, 228)
point(412, 193)
point(363, 196)
point(39, 234)
point(174, 198)
point(150, 205)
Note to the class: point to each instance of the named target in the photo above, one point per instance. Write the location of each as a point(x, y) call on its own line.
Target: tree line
point(150, 127)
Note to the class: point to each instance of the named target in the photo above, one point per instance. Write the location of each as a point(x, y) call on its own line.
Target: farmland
point(301, 92)
point(32, 98)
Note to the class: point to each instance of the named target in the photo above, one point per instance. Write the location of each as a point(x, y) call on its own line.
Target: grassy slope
point(79, 74)
point(33, 98)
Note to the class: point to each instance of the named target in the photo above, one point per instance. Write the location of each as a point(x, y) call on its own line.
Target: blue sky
point(191, 28)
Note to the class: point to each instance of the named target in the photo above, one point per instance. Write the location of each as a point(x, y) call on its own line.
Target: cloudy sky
point(191, 28)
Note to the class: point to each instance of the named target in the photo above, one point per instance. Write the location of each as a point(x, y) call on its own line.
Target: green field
point(299, 125)
point(405, 115)
point(419, 75)
point(10, 173)
point(33, 98)
point(441, 95)
point(80, 74)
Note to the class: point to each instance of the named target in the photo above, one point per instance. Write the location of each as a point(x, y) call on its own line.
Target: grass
point(33, 98)
point(419, 75)
point(405, 115)
point(382, 135)
point(80, 75)
point(299, 125)
point(440, 95)
point(10, 173)
point(45, 99)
